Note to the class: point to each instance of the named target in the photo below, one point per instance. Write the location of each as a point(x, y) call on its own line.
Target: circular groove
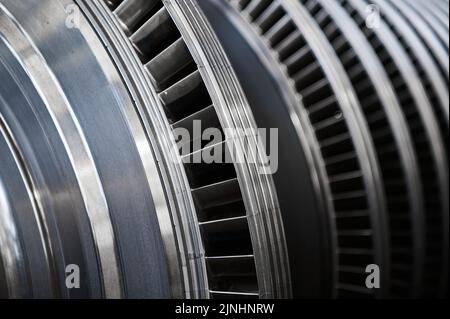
point(424, 108)
point(278, 32)
point(350, 169)
point(193, 284)
point(440, 105)
point(339, 177)
point(180, 84)
point(427, 35)
point(434, 18)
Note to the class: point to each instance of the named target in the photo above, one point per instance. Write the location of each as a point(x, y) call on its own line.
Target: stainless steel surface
point(61, 114)
point(94, 95)
point(12, 254)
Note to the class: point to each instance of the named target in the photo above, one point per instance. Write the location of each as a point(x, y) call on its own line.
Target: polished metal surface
point(85, 129)
point(70, 133)
point(96, 97)
point(12, 254)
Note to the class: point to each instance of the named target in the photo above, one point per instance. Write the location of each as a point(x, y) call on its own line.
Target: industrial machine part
point(101, 197)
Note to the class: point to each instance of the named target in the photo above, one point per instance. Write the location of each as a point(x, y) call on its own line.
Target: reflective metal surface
point(94, 95)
